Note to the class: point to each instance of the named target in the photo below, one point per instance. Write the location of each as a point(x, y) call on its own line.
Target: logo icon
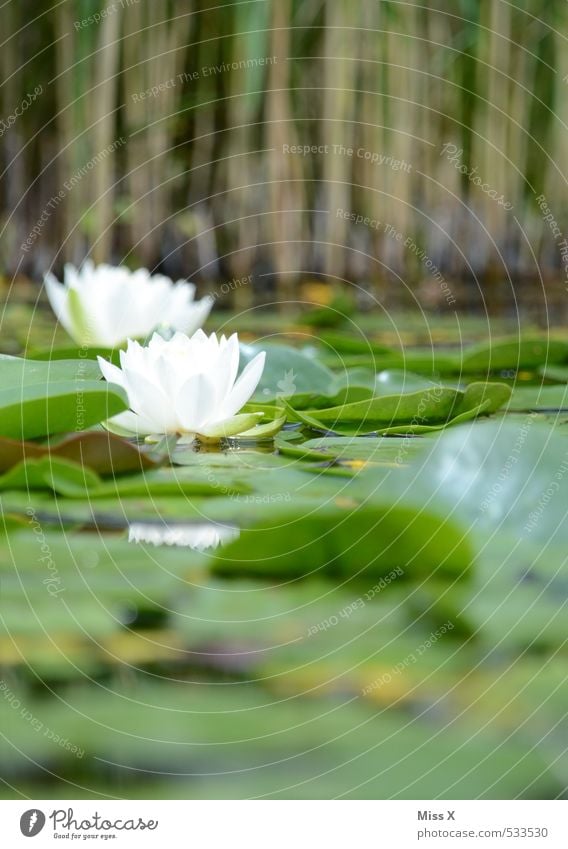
point(32, 822)
point(287, 385)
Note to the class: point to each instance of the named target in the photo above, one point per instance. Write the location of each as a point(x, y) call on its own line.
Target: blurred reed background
point(193, 177)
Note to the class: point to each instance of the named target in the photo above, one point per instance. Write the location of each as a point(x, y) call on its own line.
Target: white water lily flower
point(105, 305)
point(185, 386)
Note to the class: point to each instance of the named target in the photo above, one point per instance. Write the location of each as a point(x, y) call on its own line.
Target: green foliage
point(42, 398)
point(387, 619)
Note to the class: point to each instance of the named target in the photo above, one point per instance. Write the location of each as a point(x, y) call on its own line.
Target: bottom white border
point(285, 824)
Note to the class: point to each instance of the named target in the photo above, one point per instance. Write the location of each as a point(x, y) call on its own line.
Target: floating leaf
point(75, 480)
point(105, 453)
point(527, 398)
point(366, 542)
point(508, 483)
point(412, 412)
point(513, 353)
point(75, 353)
point(42, 398)
point(287, 372)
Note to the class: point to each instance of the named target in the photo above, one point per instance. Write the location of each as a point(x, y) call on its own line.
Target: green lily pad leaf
point(287, 372)
point(73, 480)
point(303, 450)
point(425, 405)
point(75, 353)
point(479, 399)
point(495, 395)
point(362, 543)
point(513, 353)
point(18, 371)
point(345, 395)
point(484, 358)
point(509, 481)
point(527, 398)
point(465, 416)
point(163, 483)
point(51, 473)
point(390, 451)
point(344, 343)
point(559, 374)
point(395, 381)
point(356, 377)
point(414, 412)
point(42, 398)
point(59, 407)
point(95, 449)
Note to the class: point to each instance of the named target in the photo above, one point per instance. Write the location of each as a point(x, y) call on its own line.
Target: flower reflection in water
point(198, 536)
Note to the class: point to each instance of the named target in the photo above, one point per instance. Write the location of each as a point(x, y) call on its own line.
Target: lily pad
point(527, 398)
point(368, 542)
point(74, 353)
point(98, 450)
point(513, 353)
point(75, 480)
point(506, 483)
point(42, 398)
point(287, 372)
point(412, 412)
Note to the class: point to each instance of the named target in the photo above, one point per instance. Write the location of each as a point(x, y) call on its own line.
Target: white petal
point(199, 338)
point(196, 402)
point(150, 402)
point(111, 373)
point(129, 424)
point(227, 368)
point(72, 276)
point(245, 386)
point(193, 316)
point(57, 294)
